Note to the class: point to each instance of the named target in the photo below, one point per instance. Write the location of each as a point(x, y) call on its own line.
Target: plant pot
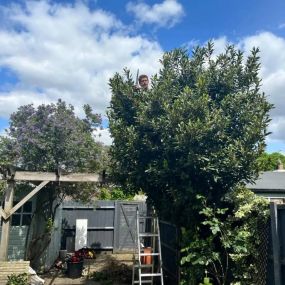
point(148, 258)
point(74, 269)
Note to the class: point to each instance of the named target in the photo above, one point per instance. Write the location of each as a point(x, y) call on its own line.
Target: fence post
point(116, 227)
point(275, 243)
point(9, 196)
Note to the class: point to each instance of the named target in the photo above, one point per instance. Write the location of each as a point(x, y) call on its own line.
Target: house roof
point(269, 181)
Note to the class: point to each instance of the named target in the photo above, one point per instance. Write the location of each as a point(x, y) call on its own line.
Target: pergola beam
point(26, 198)
point(51, 176)
point(2, 213)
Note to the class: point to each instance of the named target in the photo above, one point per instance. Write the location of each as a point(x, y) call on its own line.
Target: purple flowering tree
point(48, 138)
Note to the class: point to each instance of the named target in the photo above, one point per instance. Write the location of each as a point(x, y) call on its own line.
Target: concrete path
point(68, 281)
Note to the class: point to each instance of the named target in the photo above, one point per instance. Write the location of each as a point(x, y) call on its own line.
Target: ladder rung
point(143, 265)
point(149, 254)
point(148, 235)
point(150, 274)
point(147, 217)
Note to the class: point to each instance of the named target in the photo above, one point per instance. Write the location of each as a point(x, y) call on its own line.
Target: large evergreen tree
point(199, 129)
point(193, 137)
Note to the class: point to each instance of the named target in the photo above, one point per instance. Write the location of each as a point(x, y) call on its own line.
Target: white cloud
point(68, 52)
point(9, 102)
point(103, 136)
point(165, 14)
point(272, 57)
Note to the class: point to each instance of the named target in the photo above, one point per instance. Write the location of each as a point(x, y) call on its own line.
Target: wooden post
point(8, 204)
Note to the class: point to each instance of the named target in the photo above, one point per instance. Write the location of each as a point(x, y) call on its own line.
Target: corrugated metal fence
point(107, 223)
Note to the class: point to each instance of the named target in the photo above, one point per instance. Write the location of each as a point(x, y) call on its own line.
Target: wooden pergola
point(44, 178)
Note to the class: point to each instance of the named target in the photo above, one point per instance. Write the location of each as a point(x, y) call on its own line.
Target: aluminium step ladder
point(147, 267)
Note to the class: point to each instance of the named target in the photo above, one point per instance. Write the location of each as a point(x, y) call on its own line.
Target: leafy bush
point(114, 193)
point(227, 243)
point(270, 161)
point(20, 279)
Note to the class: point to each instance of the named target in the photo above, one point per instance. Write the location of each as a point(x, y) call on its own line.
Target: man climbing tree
point(143, 81)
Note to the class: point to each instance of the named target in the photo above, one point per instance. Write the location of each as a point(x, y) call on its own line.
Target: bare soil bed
point(105, 269)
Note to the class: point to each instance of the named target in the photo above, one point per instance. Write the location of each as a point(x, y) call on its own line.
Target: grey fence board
point(110, 224)
point(169, 236)
point(107, 226)
point(125, 224)
point(100, 216)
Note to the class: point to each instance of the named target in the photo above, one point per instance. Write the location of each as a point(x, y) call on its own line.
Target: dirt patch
point(113, 270)
point(105, 269)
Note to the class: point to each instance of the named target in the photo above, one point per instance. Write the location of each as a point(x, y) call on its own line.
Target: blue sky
point(69, 49)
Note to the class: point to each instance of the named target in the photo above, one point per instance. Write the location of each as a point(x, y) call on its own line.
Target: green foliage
point(113, 193)
point(20, 279)
point(270, 161)
point(199, 129)
point(52, 137)
point(231, 250)
point(188, 142)
point(2, 186)
point(49, 225)
point(48, 137)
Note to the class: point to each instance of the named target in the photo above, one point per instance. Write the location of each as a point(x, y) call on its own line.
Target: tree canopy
point(48, 137)
point(199, 129)
point(270, 161)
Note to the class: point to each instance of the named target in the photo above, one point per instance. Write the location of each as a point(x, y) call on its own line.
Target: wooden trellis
point(44, 178)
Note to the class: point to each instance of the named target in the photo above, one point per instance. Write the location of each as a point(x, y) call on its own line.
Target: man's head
point(143, 81)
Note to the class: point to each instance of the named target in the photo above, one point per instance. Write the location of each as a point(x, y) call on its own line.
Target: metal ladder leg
point(160, 256)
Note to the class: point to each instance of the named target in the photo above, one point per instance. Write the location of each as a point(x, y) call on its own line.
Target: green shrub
point(18, 279)
point(227, 244)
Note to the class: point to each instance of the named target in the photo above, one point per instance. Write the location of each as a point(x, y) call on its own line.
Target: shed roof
point(269, 180)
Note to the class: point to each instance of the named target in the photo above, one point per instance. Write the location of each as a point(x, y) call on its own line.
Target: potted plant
point(74, 266)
